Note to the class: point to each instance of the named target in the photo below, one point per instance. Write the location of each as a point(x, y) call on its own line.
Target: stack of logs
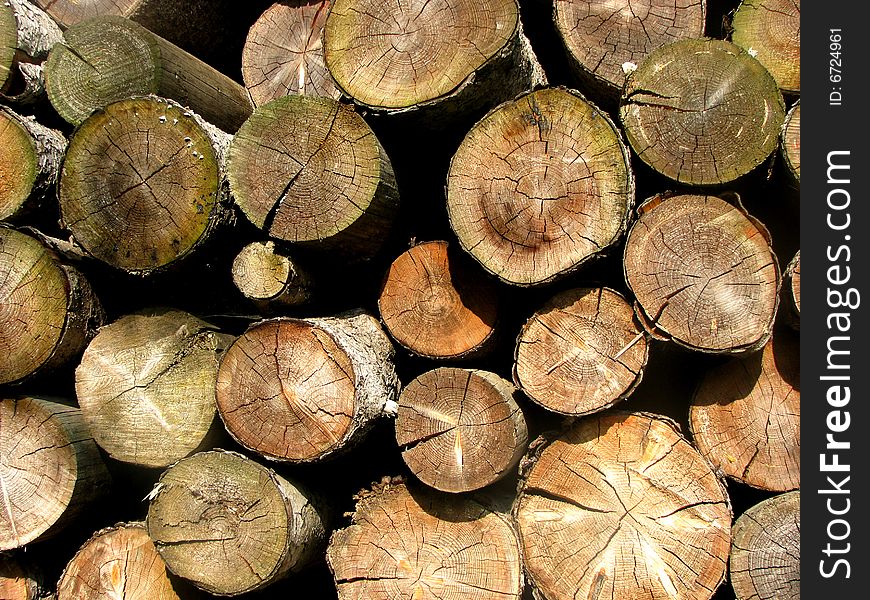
point(374, 299)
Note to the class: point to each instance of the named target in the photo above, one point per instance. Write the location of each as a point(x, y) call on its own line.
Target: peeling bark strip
point(601, 37)
point(460, 429)
point(771, 31)
point(414, 543)
point(146, 386)
point(790, 143)
point(301, 390)
point(745, 416)
point(434, 304)
point(540, 186)
point(230, 525)
point(283, 53)
point(142, 184)
point(108, 59)
point(26, 36)
point(581, 352)
point(765, 550)
point(48, 311)
point(269, 277)
point(117, 562)
point(703, 273)
point(30, 157)
point(307, 169)
point(50, 469)
point(622, 506)
point(702, 111)
point(459, 55)
point(791, 286)
point(21, 581)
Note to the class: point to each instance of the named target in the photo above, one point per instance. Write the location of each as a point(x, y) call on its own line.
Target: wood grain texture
point(771, 31)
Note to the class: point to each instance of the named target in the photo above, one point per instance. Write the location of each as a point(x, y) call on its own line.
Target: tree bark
point(540, 186)
point(790, 143)
point(230, 525)
point(283, 53)
point(702, 112)
point(142, 184)
point(745, 416)
point(703, 273)
point(407, 542)
point(26, 36)
point(117, 562)
point(605, 40)
point(436, 306)
point(310, 170)
point(460, 429)
point(622, 506)
point(30, 158)
point(771, 31)
point(446, 58)
point(301, 390)
point(21, 581)
point(580, 353)
point(270, 278)
point(146, 386)
point(791, 286)
point(108, 59)
point(48, 310)
point(50, 469)
point(765, 550)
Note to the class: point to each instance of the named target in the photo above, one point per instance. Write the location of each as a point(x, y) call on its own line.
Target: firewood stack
point(370, 299)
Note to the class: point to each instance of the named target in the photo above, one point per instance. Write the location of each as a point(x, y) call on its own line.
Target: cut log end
point(791, 142)
point(20, 580)
point(539, 186)
point(582, 352)
point(771, 31)
point(8, 42)
point(623, 506)
point(18, 165)
point(434, 305)
point(460, 429)
point(703, 272)
point(792, 291)
point(413, 543)
point(765, 551)
point(269, 277)
point(70, 12)
point(702, 112)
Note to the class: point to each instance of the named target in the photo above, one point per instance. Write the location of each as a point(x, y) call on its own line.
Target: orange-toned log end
point(581, 352)
point(704, 273)
point(745, 416)
point(765, 550)
point(435, 305)
point(407, 542)
point(20, 580)
point(119, 562)
point(460, 429)
point(622, 506)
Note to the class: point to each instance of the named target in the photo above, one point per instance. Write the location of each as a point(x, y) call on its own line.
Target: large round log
point(540, 186)
point(771, 31)
point(26, 36)
point(622, 506)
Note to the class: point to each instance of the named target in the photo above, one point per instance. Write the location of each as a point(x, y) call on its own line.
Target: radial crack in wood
point(771, 31)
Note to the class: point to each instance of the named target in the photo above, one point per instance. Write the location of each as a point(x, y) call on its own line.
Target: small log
point(142, 184)
point(146, 386)
point(703, 273)
point(270, 278)
point(448, 57)
point(50, 469)
point(765, 550)
point(582, 352)
point(622, 506)
point(117, 562)
point(30, 157)
point(107, 59)
point(702, 112)
point(771, 31)
point(21, 581)
point(790, 142)
point(230, 525)
point(310, 170)
point(745, 416)
point(460, 429)
point(283, 53)
point(48, 311)
point(26, 36)
point(405, 542)
point(435, 305)
point(791, 286)
point(540, 186)
point(605, 40)
point(301, 390)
